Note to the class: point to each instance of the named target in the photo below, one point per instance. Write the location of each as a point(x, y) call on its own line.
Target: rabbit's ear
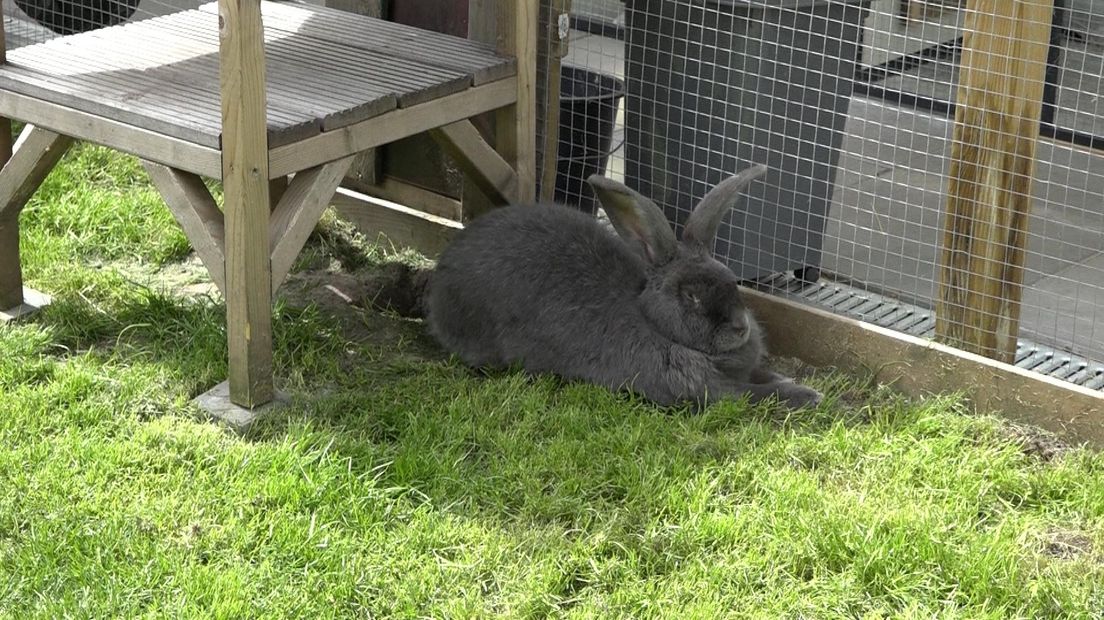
point(637, 220)
point(701, 227)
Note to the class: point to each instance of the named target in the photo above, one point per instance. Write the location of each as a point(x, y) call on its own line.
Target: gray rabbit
point(549, 289)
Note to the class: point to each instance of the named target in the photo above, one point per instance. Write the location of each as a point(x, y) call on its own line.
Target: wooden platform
point(276, 100)
point(157, 80)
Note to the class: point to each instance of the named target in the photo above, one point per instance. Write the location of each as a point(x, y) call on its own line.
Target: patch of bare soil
point(187, 278)
point(791, 367)
point(1037, 442)
point(1067, 545)
point(345, 297)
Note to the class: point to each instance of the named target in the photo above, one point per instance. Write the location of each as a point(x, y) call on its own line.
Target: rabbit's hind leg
point(474, 342)
point(793, 395)
point(466, 331)
point(763, 375)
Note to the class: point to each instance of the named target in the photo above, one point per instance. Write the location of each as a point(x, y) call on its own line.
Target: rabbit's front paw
point(797, 396)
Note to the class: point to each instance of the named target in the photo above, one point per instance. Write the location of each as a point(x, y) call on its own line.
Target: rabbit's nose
point(739, 324)
point(740, 331)
point(733, 335)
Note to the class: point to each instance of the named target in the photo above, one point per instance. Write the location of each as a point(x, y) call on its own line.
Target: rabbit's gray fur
point(549, 288)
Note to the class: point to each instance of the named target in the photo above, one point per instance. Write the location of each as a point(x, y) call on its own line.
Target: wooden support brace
point(36, 153)
point(481, 163)
point(245, 176)
point(302, 204)
point(992, 165)
point(195, 210)
point(428, 201)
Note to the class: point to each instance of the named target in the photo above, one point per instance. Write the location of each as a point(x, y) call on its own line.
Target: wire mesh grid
point(853, 106)
point(35, 21)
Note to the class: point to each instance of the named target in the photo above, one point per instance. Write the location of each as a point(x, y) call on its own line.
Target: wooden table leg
point(35, 154)
point(247, 204)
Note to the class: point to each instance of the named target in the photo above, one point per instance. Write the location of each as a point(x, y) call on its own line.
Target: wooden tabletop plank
point(80, 96)
point(325, 69)
point(105, 66)
point(393, 39)
point(410, 80)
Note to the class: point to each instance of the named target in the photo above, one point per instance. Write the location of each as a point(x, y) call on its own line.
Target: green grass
point(399, 484)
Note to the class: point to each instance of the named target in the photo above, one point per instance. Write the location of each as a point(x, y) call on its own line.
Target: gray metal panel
point(712, 89)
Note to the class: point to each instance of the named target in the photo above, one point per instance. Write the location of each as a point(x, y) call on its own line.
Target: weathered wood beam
point(35, 154)
point(402, 226)
point(919, 368)
point(426, 200)
point(245, 178)
point(298, 211)
point(999, 102)
point(199, 216)
point(337, 143)
point(481, 163)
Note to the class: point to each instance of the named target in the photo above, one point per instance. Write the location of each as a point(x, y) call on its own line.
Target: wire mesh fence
point(853, 105)
point(35, 21)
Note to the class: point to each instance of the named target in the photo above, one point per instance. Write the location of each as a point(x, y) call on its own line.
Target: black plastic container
point(588, 113)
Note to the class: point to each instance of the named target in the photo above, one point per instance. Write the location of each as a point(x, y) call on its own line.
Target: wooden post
point(516, 125)
point(11, 273)
point(989, 197)
point(512, 26)
point(246, 206)
point(365, 169)
point(552, 49)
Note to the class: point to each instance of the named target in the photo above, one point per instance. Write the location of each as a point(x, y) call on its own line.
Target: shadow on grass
point(317, 336)
point(375, 390)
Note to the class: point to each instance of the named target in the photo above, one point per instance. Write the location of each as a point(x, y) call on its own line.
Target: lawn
point(399, 484)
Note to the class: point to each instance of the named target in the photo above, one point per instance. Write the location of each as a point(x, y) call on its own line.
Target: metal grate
point(883, 311)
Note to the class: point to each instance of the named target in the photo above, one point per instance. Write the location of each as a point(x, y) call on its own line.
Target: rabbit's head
point(690, 297)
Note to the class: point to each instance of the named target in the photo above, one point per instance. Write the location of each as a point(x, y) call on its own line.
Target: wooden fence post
point(516, 125)
point(511, 25)
point(999, 102)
